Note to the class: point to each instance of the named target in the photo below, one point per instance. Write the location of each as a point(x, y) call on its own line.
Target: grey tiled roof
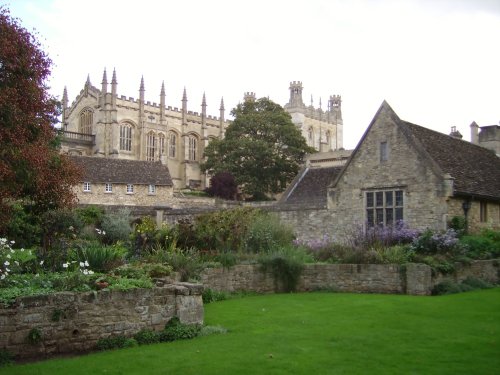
point(475, 169)
point(121, 171)
point(311, 186)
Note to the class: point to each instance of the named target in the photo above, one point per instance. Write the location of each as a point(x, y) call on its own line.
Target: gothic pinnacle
point(141, 88)
point(113, 80)
point(162, 92)
point(104, 77)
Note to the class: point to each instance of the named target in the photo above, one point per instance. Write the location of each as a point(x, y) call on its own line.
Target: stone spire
point(162, 102)
point(204, 106)
point(87, 86)
point(114, 84)
point(184, 107)
point(64, 107)
point(104, 88)
point(221, 118)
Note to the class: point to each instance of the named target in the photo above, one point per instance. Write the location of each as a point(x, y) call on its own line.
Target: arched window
point(126, 137)
point(161, 145)
point(193, 147)
point(86, 121)
point(150, 146)
point(172, 145)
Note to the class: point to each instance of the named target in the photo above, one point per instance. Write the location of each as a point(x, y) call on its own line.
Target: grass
point(319, 333)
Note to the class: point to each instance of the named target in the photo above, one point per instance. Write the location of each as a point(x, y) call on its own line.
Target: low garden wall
point(70, 322)
point(414, 279)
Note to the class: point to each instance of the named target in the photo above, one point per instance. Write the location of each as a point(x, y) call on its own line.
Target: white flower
point(12, 251)
point(85, 272)
point(103, 233)
point(65, 265)
point(12, 242)
point(22, 249)
point(37, 275)
point(41, 262)
point(82, 264)
point(90, 272)
point(8, 256)
point(7, 269)
point(2, 277)
point(86, 264)
point(6, 263)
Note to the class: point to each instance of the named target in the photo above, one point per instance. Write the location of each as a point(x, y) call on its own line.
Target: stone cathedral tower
point(321, 129)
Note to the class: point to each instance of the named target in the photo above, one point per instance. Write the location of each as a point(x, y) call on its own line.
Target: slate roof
point(475, 169)
point(121, 171)
point(311, 186)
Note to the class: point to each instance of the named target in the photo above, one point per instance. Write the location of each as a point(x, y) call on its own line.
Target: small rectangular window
point(399, 198)
point(388, 198)
point(152, 189)
point(130, 189)
point(383, 151)
point(384, 207)
point(379, 196)
point(483, 212)
point(108, 188)
point(86, 186)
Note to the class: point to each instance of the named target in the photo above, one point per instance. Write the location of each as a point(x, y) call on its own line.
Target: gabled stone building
point(122, 182)
point(402, 171)
point(99, 123)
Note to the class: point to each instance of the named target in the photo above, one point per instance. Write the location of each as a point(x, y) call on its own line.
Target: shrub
point(458, 224)
point(210, 295)
point(397, 254)
point(90, 215)
point(34, 336)
point(476, 283)
point(116, 226)
point(226, 259)
point(143, 235)
point(445, 243)
point(6, 358)
point(186, 262)
point(114, 342)
point(101, 258)
point(121, 283)
point(286, 266)
point(223, 185)
point(156, 270)
point(450, 287)
point(224, 230)
point(175, 330)
point(266, 232)
point(24, 227)
point(147, 336)
point(481, 246)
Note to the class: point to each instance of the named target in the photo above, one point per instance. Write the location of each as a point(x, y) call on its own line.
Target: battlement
point(296, 84)
point(249, 96)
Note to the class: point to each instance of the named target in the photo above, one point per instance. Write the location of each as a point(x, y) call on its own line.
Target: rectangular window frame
point(384, 207)
point(86, 187)
point(483, 212)
point(130, 188)
point(384, 151)
point(108, 187)
point(152, 189)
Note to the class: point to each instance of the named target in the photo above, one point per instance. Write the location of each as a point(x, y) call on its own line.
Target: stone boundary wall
point(73, 322)
point(413, 279)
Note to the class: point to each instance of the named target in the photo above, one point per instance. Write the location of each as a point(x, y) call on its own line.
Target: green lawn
point(319, 333)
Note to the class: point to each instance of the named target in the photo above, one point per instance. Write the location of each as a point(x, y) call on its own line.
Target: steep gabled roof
point(475, 169)
point(121, 171)
point(311, 186)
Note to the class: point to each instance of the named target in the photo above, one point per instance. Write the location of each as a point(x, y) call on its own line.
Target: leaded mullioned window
point(384, 207)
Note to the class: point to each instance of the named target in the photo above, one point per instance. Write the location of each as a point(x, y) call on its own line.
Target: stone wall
point(414, 279)
point(74, 322)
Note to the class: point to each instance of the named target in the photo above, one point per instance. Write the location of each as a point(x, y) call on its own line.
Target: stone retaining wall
point(73, 322)
point(414, 279)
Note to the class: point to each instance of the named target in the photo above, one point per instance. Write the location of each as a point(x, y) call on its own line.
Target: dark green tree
point(262, 148)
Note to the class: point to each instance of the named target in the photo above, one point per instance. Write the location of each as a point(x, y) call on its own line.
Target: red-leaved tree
point(31, 167)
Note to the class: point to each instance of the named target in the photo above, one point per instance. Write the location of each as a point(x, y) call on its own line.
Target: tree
point(262, 148)
point(31, 167)
point(223, 185)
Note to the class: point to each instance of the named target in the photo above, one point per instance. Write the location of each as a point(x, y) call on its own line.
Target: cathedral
point(100, 123)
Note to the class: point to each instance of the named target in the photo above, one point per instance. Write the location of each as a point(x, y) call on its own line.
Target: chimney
point(474, 133)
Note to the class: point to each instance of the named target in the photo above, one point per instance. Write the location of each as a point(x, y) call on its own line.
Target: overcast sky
point(437, 62)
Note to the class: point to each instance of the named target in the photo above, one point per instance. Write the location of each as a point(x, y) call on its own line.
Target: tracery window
point(150, 146)
point(126, 137)
point(193, 148)
point(172, 145)
point(162, 144)
point(86, 121)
